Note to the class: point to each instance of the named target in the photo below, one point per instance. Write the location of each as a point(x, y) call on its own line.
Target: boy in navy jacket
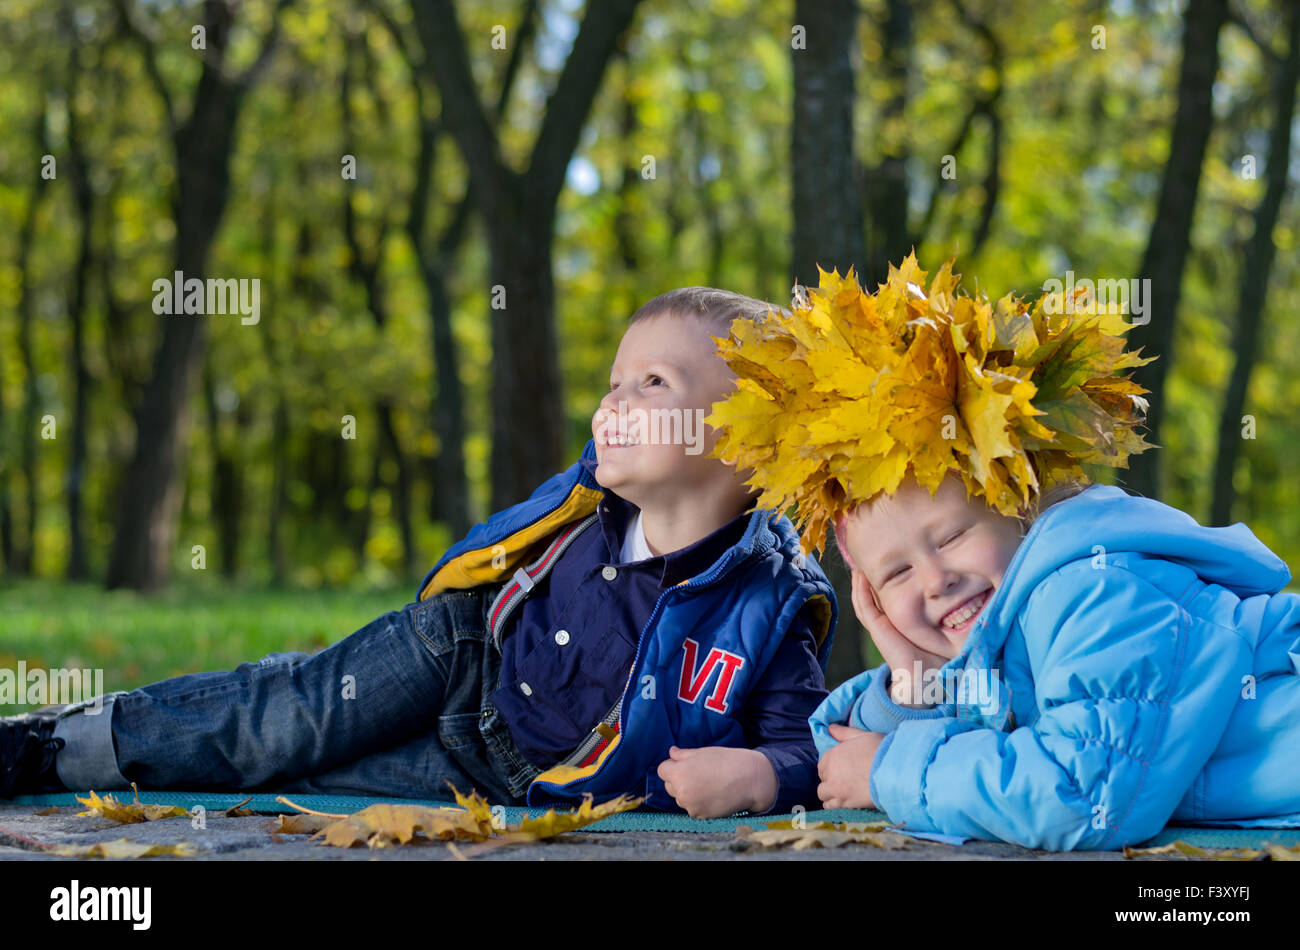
point(635, 626)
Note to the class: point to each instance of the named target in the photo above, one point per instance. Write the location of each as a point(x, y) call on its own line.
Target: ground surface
point(249, 839)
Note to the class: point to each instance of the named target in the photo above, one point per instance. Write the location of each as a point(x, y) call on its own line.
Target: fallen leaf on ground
point(1191, 851)
point(383, 825)
point(830, 825)
point(237, 811)
point(128, 812)
point(299, 824)
point(122, 848)
point(52, 810)
point(821, 834)
point(386, 824)
point(558, 822)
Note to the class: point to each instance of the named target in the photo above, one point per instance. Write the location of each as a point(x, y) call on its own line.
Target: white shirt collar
point(635, 547)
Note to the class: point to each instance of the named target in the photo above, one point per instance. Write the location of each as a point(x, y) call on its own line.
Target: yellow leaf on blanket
point(821, 834)
point(557, 823)
point(122, 848)
point(128, 812)
point(384, 825)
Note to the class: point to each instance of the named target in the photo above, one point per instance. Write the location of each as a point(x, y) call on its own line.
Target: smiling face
point(933, 562)
point(651, 442)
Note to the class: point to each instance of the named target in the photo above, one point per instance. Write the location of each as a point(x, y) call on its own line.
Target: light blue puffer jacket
point(1138, 669)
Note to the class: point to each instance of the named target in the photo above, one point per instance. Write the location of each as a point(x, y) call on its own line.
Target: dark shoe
point(27, 750)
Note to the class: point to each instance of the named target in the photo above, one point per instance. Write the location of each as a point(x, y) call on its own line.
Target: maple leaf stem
point(308, 811)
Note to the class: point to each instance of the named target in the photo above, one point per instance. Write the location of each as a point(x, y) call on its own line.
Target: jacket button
point(561, 637)
point(608, 572)
point(526, 689)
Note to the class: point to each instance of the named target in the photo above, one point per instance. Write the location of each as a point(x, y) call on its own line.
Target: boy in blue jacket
point(635, 626)
point(1069, 668)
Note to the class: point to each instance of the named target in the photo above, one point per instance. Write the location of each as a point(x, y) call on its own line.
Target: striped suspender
point(525, 579)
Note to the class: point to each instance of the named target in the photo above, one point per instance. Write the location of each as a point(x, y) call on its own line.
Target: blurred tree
point(78, 567)
point(451, 500)
point(827, 212)
point(1257, 265)
point(527, 413)
point(20, 560)
point(1171, 229)
point(886, 187)
point(202, 141)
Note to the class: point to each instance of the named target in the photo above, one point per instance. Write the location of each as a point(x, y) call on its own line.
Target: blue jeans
point(399, 708)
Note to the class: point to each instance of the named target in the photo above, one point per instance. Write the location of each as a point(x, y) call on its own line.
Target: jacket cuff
point(898, 770)
point(796, 779)
point(837, 707)
point(875, 768)
point(876, 711)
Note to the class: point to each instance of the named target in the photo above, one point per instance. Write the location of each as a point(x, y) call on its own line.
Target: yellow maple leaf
point(852, 392)
point(384, 824)
point(128, 812)
point(122, 848)
point(558, 822)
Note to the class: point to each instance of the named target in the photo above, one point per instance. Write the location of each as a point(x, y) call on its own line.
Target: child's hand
point(717, 781)
point(845, 770)
point(898, 651)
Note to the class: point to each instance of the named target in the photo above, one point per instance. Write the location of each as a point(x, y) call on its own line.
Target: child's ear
point(874, 599)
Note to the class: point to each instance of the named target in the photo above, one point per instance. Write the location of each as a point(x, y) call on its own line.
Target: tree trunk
point(279, 487)
point(226, 491)
point(452, 503)
point(828, 225)
point(1171, 231)
point(365, 269)
point(827, 212)
point(885, 186)
point(528, 417)
point(24, 553)
point(78, 567)
point(402, 489)
point(1255, 271)
point(146, 524)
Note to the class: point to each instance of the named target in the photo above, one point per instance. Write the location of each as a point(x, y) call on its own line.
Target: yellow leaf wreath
point(838, 401)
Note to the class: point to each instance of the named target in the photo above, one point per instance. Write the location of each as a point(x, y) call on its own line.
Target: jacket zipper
point(703, 580)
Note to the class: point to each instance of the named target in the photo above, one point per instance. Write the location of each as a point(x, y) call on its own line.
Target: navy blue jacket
point(700, 657)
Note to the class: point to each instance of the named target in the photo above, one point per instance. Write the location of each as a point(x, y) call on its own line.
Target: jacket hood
point(1103, 519)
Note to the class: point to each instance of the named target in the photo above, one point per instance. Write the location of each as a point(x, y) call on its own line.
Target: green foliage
point(704, 90)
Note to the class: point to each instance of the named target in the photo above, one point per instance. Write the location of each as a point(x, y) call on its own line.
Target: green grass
point(138, 639)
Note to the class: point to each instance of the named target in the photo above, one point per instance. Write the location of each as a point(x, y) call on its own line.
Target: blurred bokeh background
point(452, 208)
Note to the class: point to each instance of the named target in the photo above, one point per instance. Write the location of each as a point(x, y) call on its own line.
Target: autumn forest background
point(452, 208)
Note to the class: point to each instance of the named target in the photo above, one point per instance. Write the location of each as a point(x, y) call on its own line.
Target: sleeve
point(863, 702)
point(776, 713)
point(1132, 697)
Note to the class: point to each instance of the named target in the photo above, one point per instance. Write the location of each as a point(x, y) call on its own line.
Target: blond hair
point(718, 308)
